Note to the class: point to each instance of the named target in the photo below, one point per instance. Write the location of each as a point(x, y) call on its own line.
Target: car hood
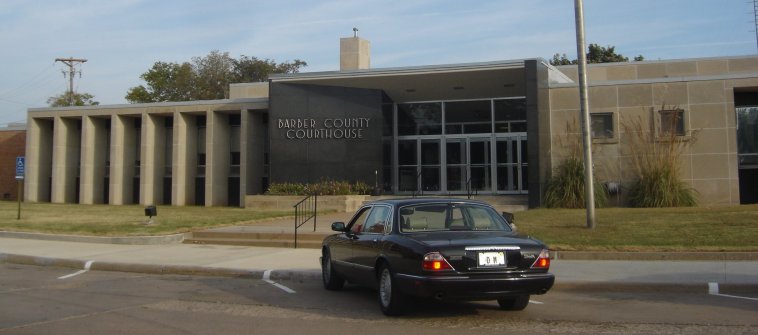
point(472, 238)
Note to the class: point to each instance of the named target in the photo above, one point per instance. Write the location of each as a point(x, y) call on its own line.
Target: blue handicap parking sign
point(20, 164)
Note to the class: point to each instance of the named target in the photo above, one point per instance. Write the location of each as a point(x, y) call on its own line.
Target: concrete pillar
point(123, 155)
point(39, 159)
point(252, 152)
point(66, 153)
point(355, 54)
point(184, 159)
point(217, 159)
point(153, 159)
point(94, 141)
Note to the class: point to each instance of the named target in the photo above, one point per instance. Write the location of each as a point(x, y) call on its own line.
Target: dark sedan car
point(446, 249)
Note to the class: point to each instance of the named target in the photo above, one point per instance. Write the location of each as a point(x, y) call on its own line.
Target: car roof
point(415, 201)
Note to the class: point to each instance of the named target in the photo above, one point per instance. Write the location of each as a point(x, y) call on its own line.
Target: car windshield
point(450, 217)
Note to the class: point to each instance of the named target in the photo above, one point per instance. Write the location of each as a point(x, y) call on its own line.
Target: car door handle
point(376, 240)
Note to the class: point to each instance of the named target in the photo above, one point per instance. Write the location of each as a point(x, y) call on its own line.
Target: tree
point(596, 54)
point(204, 78)
point(72, 99)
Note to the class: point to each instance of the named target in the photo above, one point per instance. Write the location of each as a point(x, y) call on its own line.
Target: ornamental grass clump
point(565, 189)
point(656, 160)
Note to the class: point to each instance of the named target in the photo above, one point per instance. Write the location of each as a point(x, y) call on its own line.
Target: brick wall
point(12, 145)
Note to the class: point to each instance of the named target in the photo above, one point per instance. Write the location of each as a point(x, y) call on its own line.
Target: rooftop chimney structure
point(355, 53)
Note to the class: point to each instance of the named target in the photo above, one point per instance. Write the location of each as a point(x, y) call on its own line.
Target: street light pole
point(589, 193)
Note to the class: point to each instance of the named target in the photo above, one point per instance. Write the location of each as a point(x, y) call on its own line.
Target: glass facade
point(457, 147)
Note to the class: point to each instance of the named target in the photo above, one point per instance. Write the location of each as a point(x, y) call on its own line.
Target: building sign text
point(341, 128)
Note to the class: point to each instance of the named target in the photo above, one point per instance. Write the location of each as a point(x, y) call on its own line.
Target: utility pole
point(589, 192)
point(71, 63)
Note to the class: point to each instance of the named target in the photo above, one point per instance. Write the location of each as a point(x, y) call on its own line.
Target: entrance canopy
point(425, 83)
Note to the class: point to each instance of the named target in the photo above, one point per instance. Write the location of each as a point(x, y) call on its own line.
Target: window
point(419, 119)
point(468, 117)
point(377, 220)
point(672, 122)
point(747, 136)
point(450, 217)
point(602, 125)
point(356, 225)
point(510, 115)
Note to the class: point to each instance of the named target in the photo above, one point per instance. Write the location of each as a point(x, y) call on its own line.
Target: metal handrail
point(419, 188)
point(306, 207)
point(470, 190)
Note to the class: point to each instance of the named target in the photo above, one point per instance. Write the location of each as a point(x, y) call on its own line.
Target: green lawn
point(623, 229)
point(104, 220)
point(641, 229)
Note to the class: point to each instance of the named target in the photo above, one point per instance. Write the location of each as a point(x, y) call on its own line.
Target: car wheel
point(514, 303)
point(332, 281)
point(390, 298)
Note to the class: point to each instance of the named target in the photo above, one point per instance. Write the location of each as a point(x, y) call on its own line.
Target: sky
point(121, 39)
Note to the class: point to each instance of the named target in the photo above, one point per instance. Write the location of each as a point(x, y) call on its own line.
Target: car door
point(342, 248)
point(369, 242)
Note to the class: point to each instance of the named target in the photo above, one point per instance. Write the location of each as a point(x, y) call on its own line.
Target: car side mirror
point(338, 226)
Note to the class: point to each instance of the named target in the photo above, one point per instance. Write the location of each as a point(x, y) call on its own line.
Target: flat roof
point(426, 83)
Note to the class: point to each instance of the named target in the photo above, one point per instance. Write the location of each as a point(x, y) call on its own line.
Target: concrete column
point(153, 159)
point(123, 154)
point(66, 153)
point(252, 160)
point(184, 159)
point(39, 159)
point(116, 195)
point(92, 160)
point(217, 159)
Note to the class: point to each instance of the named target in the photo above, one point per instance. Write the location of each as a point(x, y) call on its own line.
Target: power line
point(33, 81)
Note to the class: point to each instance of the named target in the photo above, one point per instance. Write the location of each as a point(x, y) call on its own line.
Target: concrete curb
point(132, 240)
point(315, 275)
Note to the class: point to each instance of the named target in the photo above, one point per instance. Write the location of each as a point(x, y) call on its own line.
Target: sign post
point(20, 167)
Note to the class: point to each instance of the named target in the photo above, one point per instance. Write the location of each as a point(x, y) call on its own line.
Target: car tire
point(331, 279)
point(390, 297)
point(514, 303)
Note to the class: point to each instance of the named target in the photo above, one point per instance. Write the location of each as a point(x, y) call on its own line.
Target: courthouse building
point(496, 128)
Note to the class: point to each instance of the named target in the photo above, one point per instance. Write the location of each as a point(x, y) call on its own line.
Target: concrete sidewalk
point(303, 264)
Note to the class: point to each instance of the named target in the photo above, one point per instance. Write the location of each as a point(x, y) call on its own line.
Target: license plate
point(492, 259)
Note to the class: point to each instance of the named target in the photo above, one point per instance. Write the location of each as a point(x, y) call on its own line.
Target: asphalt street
point(47, 300)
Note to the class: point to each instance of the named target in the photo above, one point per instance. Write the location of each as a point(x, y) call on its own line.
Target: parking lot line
point(713, 289)
point(267, 278)
point(86, 268)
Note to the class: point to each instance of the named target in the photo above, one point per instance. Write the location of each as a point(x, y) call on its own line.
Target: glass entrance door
point(480, 164)
point(456, 156)
point(419, 165)
point(512, 165)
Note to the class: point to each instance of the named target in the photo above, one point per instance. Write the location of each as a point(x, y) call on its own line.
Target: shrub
point(323, 187)
point(565, 189)
point(656, 166)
